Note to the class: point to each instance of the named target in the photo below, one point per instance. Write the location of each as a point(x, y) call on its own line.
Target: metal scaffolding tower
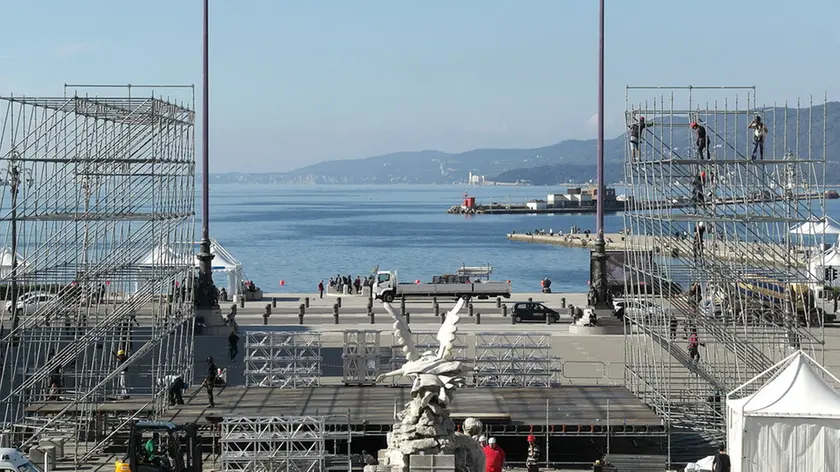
point(282, 359)
point(91, 184)
point(273, 444)
point(513, 359)
point(713, 244)
point(360, 357)
point(426, 341)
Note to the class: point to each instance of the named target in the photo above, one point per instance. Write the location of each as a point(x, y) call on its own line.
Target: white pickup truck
point(386, 287)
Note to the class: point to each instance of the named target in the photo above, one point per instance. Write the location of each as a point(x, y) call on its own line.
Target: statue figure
point(424, 425)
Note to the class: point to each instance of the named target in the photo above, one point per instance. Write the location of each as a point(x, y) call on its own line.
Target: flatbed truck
point(386, 287)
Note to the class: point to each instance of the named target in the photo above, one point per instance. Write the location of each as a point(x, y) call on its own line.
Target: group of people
point(338, 283)
point(702, 140)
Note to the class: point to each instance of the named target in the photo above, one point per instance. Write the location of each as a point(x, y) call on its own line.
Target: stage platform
point(370, 409)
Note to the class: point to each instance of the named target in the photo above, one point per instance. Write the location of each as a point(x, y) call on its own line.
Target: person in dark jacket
point(233, 344)
point(702, 140)
point(721, 462)
point(210, 381)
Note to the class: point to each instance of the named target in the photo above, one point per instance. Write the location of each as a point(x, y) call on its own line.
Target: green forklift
point(161, 446)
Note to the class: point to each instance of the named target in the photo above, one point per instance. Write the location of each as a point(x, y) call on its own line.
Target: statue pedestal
point(214, 323)
point(431, 463)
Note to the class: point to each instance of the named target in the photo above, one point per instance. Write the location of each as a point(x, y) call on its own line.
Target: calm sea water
point(302, 234)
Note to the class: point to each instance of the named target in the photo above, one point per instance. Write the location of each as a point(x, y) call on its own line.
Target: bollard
point(504, 309)
point(300, 318)
point(241, 301)
point(302, 310)
point(442, 319)
point(471, 309)
point(338, 300)
point(371, 316)
point(268, 309)
point(402, 304)
point(407, 317)
point(335, 313)
point(513, 320)
point(478, 318)
point(434, 301)
point(530, 299)
point(306, 301)
point(274, 302)
point(548, 319)
point(437, 309)
point(563, 302)
point(498, 302)
point(370, 306)
point(265, 319)
point(572, 311)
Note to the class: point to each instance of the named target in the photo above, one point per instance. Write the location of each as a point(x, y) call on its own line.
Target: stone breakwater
point(743, 252)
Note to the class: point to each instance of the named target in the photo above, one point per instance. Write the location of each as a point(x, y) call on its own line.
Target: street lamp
point(206, 293)
point(15, 176)
point(598, 265)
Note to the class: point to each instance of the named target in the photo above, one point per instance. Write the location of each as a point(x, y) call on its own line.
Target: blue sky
point(297, 82)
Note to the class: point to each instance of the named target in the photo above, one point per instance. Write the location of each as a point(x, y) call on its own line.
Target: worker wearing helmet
point(635, 132)
point(494, 457)
point(702, 140)
point(533, 454)
point(120, 357)
point(482, 440)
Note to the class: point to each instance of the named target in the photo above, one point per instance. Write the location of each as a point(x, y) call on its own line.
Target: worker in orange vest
point(494, 456)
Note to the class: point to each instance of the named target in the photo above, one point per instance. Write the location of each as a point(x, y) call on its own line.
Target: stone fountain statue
point(424, 426)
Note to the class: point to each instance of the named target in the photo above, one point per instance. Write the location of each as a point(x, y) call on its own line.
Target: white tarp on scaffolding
point(225, 263)
point(6, 263)
point(827, 260)
point(791, 423)
point(815, 228)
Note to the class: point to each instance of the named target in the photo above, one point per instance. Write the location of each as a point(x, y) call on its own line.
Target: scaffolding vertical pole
point(608, 426)
point(547, 434)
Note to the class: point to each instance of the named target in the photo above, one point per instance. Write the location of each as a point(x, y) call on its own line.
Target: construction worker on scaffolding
point(759, 132)
point(702, 140)
point(635, 131)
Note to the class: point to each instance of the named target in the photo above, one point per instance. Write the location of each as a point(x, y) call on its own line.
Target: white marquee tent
point(791, 423)
point(828, 259)
point(223, 263)
point(6, 263)
point(815, 228)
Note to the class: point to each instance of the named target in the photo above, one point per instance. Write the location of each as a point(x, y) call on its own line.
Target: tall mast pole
point(206, 296)
point(598, 267)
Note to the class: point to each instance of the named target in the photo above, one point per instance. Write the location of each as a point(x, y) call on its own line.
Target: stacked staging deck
point(573, 410)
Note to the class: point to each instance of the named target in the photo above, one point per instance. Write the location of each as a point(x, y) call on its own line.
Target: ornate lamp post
point(206, 293)
point(598, 265)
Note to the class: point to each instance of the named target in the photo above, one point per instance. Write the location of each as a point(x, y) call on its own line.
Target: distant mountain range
point(572, 160)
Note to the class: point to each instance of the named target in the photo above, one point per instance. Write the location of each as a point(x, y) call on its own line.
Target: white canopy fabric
point(813, 228)
point(6, 263)
point(818, 264)
point(224, 262)
point(163, 254)
point(791, 423)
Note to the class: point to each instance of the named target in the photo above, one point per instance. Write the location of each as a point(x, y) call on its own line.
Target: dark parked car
point(531, 311)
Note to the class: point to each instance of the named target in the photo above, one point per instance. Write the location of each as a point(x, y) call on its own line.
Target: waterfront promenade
point(745, 252)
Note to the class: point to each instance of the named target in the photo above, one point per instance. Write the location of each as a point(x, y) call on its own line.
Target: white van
point(11, 460)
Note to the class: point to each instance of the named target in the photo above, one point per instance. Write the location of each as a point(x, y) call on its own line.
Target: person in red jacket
point(494, 456)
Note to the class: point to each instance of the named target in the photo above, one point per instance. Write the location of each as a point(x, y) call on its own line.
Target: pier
point(669, 246)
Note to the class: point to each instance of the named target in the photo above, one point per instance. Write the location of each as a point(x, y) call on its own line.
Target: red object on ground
point(417, 281)
point(494, 459)
point(282, 282)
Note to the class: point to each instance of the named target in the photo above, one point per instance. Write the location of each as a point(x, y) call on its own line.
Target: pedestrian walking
point(210, 381)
